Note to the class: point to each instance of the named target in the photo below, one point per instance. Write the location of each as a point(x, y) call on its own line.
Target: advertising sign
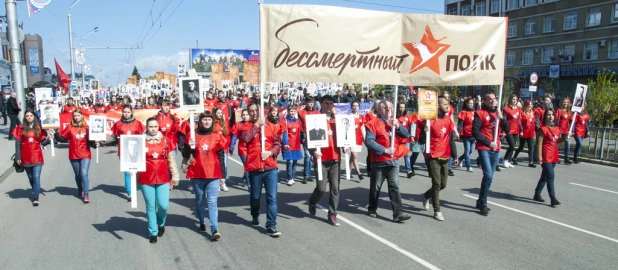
point(202, 59)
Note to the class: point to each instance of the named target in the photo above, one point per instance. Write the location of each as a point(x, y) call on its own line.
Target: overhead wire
point(393, 6)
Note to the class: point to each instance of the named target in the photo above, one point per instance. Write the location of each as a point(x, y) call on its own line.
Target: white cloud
point(168, 64)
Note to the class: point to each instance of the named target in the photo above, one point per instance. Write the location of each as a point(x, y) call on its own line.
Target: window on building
point(530, 26)
point(615, 13)
point(612, 50)
point(547, 55)
point(570, 20)
point(510, 58)
point(512, 29)
point(466, 10)
point(591, 51)
point(480, 9)
point(549, 24)
point(549, 1)
point(594, 17)
point(567, 53)
point(495, 6)
point(513, 4)
point(526, 59)
point(531, 2)
point(452, 11)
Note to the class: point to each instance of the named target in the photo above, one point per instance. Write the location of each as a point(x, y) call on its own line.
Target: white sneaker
point(223, 187)
point(425, 202)
point(505, 164)
point(470, 170)
point(511, 165)
point(460, 163)
point(438, 216)
point(290, 182)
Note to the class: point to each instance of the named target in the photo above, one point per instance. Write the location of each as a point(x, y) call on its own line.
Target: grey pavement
point(7, 149)
point(519, 233)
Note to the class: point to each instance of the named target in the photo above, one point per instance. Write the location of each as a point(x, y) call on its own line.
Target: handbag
point(19, 168)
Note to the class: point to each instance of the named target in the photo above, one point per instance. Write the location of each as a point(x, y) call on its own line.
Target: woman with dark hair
point(239, 126)
point(273, 118)
point(114, 105)
point(155, 181)
point(526, 134)
point(406, 122)
point(76, 134)
point(221, 126)
point(359, 125)
point(292, 129)
point(206, 170)
point(580, 132)
point(87, 105)
point(127, 125)
point(168, 125)
point(548, 139)
point(563, 117)
point(29, 137)
point(512, 113)
point(464, 127)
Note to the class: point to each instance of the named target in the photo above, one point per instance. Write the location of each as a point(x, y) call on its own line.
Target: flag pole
point(498, 120)
point(394, 118)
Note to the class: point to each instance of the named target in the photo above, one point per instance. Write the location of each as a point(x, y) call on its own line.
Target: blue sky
point(177, 25)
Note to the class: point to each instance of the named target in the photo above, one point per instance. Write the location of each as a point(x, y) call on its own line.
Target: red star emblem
point(426, 52)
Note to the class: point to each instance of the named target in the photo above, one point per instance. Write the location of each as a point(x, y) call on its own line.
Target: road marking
point(236, 161)
point(400, 175)
point(384, 241)
point(594, 188)
point(549, 220)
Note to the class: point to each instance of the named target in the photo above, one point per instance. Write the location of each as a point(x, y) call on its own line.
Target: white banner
point(304, 43)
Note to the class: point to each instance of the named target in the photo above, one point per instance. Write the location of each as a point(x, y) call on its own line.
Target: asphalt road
point(64, 233)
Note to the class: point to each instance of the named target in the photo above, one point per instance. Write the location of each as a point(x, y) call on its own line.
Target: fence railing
point(602, 143)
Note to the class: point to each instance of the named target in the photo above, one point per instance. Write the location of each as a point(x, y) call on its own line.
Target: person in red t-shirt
point(406, 122)
point(563, 119)
point(70, 107)
point(544, 103)
point(222, 127)
point(581, 132)
point(307, 160)
point(526, 133)
point(292, 152)
point(239, 126)
point(548, 138)
point(127, 125)
point(512, 112)
point(464, 126)
point(359, 126)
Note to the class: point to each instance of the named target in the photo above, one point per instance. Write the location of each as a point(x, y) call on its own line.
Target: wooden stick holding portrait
point(96, 131)
point(133, 160)
point(316, 126)
point(346, 137)
point(50, 119)
point(427, 110)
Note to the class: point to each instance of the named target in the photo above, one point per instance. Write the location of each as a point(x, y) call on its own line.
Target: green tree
point(136, 73)
point(602, 98)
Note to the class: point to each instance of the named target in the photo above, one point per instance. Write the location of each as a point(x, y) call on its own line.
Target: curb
point(582, 159)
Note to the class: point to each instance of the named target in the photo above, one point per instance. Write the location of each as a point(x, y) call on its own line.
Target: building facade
point(31, 57)
point(564, 41)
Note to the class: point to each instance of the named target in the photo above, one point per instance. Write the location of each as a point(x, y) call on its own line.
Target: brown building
point(32, 57)
point(564, 41)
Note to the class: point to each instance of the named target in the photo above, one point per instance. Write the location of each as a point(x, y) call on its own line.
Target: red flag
point(412, 90)
point(63, 79)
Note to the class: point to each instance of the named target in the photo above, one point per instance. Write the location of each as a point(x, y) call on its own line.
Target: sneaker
point(401, 218)
point(531, 165)
point(304, 180)
point(470, 170)
point(202, 227)
point(498, 168)
point(451, 172)
point(35, 203)
point(309, 179)
point(312, 209)
point(460, 164)
point(568, 162)
point(153, 239)
point(290, 182)
point(538, 198)
point(129, 199)
point(554, 202)
point(479, 207)
point(333, 221)
point(484, 211)
point(86, 199)
point(216, 235)
point(425, 202)
point(360, 177)
point(410, 174)
point(161, 231)
point(514, 161)
point(224, 187)
point(272, 231)
point(372, 214)
point(256, 221)
point(505, 164)
point(438, 216)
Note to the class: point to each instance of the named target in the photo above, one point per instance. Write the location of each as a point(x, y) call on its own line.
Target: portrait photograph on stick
point(346, 132)
point(97, 127)
point(316, 131)
point(191, 94)
point(132, 153)
point(580, 98)
point(50, 116)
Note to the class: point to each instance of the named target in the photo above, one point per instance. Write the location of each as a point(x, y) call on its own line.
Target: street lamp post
point(72, 56)
point(15, 50)
point(81, 57)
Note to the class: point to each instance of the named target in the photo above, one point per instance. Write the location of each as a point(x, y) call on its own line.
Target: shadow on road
point(501, 195)
point(119, 191)
point(139, 226)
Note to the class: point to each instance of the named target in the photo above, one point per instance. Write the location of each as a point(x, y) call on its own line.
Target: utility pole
point(197, 44)
point(15, 48)
point(71, 53)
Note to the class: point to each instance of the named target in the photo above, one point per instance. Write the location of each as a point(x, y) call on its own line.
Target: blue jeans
point(157, 199)
point(290, 168)
point(489, 160)
point(406, 159)
point(34, 176)
point(269, 180)
point(468, 147)
point(245, 176)
point(127, 182)
point(547, 176)
point(307, 162)
point(210, 188)
point(567, 149)
point(80, 168)
point(578, 147)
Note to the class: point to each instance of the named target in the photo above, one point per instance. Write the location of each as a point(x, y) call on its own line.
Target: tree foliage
point(602, 98)
point(136, 73)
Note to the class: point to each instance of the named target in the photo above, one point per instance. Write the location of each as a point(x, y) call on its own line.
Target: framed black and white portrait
point(191, 95)
point(94, 84)
point(50, 116)
point(317, 131)
point(580, 98)
point(225, 85)
point(346, 132)
point(132, 153)
point(96, 125)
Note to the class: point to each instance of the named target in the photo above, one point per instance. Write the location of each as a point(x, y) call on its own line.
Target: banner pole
point(319, 151)
point(133, 188)
point(572, 125)
point(347, 166)
point(53, 150)
point(97, 155)
point(192, 128)
point(498, 120)
point(262, 65)
point(427, 138)
point(395, 108)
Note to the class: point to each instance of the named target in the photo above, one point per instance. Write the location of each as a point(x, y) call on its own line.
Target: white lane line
point(401, 175)
point(549, 220)
point(384, 241)
point(236, 161)
point(594, 188)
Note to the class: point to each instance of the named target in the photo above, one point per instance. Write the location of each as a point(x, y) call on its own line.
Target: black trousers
point(4, 117)
point(523, 141)
point(14, 123)
point(510, 139)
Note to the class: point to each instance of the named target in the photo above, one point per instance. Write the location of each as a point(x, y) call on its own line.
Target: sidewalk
point(7, 149)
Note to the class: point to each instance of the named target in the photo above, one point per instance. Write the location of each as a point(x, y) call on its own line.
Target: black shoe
point(272, 231)
point(514, 161)
point(153, 239)
point(485, 211)
point(256, 221)
point(531, 165)
point(498, 168)
point(161, 231)
point(312, 209)
point(305, 180)
point(538, 198)
point(480, 207)
point(568, 162)
point(202, 227)
point(360, 177)
point(410, 174)
point(554, 202)
point(576, 161)
point(215, 236)
point(372, 214)
point(309, 179)
point(451, 172)
point(401, 218)
point(35, 202)
point(129, 199)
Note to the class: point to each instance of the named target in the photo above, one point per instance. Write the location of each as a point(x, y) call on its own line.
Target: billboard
point(33, 57)
point(202, 59)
